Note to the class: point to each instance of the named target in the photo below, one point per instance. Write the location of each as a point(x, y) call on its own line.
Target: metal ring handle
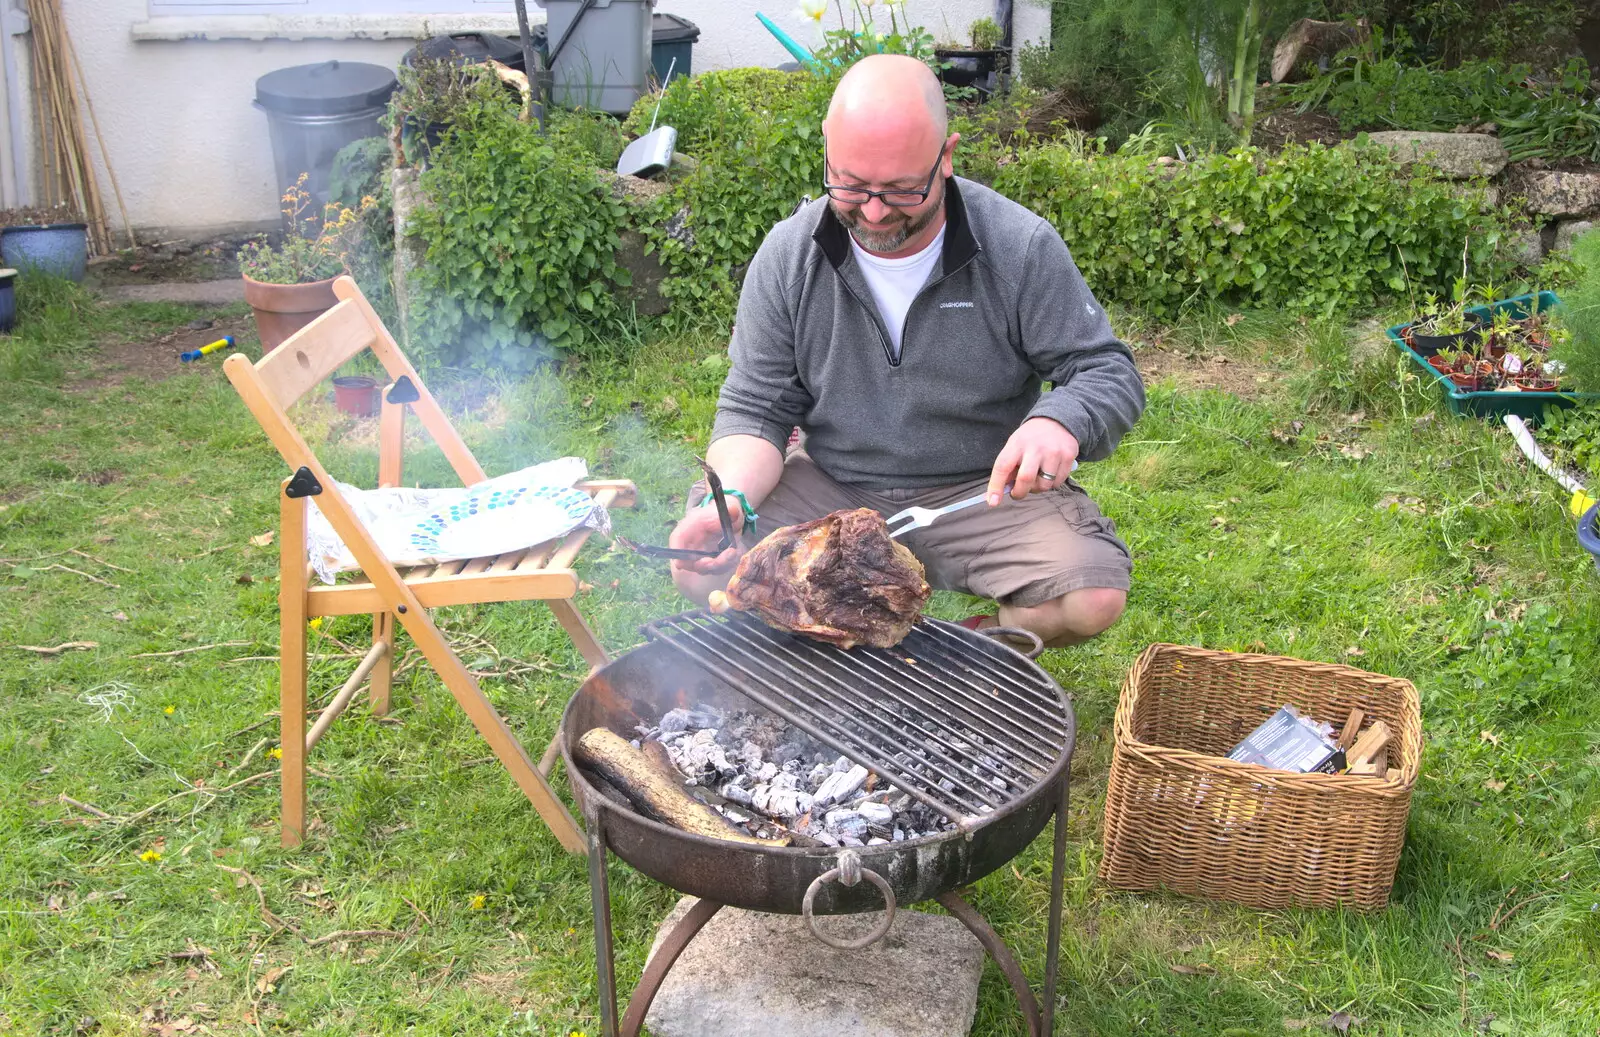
point(1001, 633)
point(878, 932)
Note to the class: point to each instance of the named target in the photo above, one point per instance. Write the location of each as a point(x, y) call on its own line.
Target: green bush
point(521, 238)
point(715, 108)
point(1312, 227)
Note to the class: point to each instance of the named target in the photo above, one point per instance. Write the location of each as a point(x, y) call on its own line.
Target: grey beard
point(886, 241)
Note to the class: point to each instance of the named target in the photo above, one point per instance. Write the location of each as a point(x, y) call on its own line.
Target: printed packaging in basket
point(1181, 816)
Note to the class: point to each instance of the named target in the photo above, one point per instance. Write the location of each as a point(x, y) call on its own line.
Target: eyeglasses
point(900, 198)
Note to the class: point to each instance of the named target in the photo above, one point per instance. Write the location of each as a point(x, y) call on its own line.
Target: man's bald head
point(890, 92)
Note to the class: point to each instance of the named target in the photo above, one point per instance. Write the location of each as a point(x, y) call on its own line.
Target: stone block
point(749, 974)
point(1523, 247)
point(1567, 230)
point(1551, 192)
point(1458, 155)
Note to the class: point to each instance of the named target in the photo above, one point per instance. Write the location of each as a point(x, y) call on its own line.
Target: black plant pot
point(964, 66)
point(1429, 345)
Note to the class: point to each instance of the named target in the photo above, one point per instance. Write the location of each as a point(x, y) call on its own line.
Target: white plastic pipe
point(1524, 438)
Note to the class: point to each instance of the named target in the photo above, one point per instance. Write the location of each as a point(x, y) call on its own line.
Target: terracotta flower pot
point(283, 309)
point(356, 395)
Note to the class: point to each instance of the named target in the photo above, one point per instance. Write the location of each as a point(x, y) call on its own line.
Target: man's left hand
point(1038, 457)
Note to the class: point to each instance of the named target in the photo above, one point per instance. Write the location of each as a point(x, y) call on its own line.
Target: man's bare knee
point(1091, 611)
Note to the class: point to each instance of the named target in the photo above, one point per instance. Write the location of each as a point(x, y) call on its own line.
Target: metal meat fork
point(924, 516)
point(921, 517)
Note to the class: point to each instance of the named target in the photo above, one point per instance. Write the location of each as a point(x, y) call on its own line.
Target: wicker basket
point(1181, 816)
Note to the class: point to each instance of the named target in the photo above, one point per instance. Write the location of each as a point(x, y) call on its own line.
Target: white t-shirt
point(895, 282)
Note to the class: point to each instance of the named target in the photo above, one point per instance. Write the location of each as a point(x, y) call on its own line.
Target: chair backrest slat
point(315, 352)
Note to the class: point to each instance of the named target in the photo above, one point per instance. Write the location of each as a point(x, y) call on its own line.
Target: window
point(317, 8)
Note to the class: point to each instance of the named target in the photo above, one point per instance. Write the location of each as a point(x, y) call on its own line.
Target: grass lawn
point(131, 511)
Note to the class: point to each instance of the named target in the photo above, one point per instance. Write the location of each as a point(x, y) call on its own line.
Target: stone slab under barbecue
point(749, 974)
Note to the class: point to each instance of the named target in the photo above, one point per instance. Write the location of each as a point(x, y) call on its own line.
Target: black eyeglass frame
point(866, 196)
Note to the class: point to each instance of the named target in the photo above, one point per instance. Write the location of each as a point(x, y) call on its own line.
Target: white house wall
point(191, 153)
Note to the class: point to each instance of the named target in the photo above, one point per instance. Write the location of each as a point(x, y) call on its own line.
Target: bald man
point(906, 324)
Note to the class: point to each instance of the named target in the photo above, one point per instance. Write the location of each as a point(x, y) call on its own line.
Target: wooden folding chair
point(542, 573)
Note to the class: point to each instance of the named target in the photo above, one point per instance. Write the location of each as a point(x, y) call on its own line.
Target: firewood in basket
point(658, 795)
point(1376, 767)
point(1352, 726)
point(1372, 740)
point(840, 578)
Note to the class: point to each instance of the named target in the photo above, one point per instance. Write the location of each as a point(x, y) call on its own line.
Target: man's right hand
point(701, 530)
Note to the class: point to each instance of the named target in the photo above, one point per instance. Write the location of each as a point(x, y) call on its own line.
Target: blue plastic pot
point(58, 249)
point(8, 301)
point(1589, 533)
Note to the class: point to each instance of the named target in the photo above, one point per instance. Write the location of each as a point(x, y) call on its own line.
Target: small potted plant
point(1439, 326)
point(52, 241)
point(290, 285)
point(978, 66)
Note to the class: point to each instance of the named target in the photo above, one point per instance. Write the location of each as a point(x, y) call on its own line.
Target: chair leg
point(292, 671)
point(583, 638)
point(383, 670)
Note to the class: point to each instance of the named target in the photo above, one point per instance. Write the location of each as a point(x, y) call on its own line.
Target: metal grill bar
point(982, 790)
point(875, 673)
point(839, 739)
point(916, 702)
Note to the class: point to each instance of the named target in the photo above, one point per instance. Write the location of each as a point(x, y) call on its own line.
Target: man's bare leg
point(1071, 619)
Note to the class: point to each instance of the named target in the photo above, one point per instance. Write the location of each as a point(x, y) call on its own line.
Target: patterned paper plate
point(497, 521)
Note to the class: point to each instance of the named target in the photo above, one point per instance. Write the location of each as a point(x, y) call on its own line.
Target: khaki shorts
point(1021, 553)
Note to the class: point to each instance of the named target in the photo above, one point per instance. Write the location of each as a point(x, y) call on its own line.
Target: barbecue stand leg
point(980, 927)
point(656, 972)
point(1052, 954)
point(600, 894)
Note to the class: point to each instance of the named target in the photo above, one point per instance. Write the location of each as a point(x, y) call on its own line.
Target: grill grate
point(961, 727)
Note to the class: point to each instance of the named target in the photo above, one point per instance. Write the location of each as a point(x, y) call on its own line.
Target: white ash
point(757, 769)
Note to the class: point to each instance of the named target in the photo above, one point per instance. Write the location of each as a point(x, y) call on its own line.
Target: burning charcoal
point(875, 813)
point(875, 841)
point(999, 784)
point(899, 835)
point(947, 784)
point(819, 774)
point(674, 721)
point(846, 840)
point(736, 794)
point(702, 715)
point(822, 759)
point(841, 765)
point(827, 838)
point(901, 802)
point(750, 753)
point(767, 771)
point(792, 767)
point(787, 752)
point(847, 823)
point(787, 803)
point(785, 781)
point(846, 784)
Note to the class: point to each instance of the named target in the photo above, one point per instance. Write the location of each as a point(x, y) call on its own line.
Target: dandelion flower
point(170, 710)
point(275, 753)
point(477, 903)
point(150, 856)
point(813, 9)
point(316, 624)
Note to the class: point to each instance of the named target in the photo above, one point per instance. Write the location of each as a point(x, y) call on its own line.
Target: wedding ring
point(1046, 475)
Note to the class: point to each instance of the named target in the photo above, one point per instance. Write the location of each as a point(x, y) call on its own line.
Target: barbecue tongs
point(718, 497)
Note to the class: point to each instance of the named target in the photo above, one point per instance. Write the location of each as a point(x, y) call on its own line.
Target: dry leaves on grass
point(1494, 786)
point(263, 540)
point(1401, 503)
point(1490, 737)
point(269, 980)
point(1355, 451)
point(1503, 956)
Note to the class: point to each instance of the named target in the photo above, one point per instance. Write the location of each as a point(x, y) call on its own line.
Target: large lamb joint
point(839, 578)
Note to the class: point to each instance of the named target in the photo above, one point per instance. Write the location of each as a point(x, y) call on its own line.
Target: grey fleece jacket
point(1003, 311)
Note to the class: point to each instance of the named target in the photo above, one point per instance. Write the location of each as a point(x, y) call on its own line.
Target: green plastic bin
point(672, 41)
point(1493, 404)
